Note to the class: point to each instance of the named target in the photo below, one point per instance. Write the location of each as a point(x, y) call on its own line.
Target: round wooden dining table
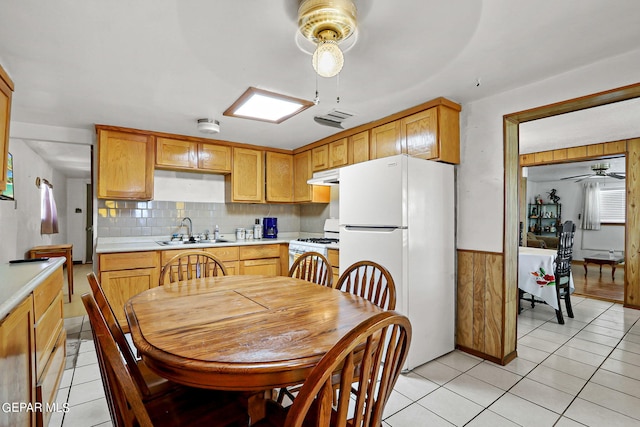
point(247, 333)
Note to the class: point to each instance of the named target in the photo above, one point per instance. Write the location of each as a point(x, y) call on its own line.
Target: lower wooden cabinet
point(260, 259)
point(32, 354)
point(334, 259)
point(17, 363)
point(125, 274)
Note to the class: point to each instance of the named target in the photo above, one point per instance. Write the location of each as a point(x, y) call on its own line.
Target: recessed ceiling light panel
point(259, 104)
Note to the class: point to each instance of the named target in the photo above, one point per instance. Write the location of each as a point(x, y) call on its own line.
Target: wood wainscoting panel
point(632, 245)
point(480, 296)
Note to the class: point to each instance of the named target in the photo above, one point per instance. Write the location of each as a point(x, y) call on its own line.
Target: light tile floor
point(585, 372)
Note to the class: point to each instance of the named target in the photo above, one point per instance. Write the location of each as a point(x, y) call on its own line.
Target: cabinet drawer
point(49, 381)
point(46, 292)
point(267, 267)
point(165, 256)
point(47, 331)
point(128, 260)
point(259, 251)
point(226, 253)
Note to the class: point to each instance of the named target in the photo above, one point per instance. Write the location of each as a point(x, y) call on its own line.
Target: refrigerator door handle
point(374, 228)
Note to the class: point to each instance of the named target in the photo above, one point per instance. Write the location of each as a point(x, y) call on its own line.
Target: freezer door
point(385, 246)
point(374, 192)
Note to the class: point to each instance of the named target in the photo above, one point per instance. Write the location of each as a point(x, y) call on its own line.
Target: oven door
point(297, 248)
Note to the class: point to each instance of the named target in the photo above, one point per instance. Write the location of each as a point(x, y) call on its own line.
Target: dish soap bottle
point(216, 233)
point(257, 230)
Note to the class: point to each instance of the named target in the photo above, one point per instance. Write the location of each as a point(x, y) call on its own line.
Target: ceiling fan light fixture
point(327, 23)
point(328, 59)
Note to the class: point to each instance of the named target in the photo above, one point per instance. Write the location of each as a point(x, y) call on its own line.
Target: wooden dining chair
point(191, 265)
point(149, 383)
point(374, 352)
point(312, 267)
point(183, 406)
point(369, 280)
point(563, 269)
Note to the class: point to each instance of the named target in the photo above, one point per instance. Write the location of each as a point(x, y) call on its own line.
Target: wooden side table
point(57, 251)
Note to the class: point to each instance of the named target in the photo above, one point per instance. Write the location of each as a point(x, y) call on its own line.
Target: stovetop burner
point(321, 240)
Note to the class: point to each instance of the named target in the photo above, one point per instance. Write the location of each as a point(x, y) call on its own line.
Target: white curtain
point(591, 208)
point(48, 211)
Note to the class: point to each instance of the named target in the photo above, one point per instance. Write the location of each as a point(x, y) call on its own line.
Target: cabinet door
point(301, 173)
point(247, 176)
point(359, 146)
point(6, 90)
point(125, 165)
point(386, 140)
point(320, 158)
point(17, 348)
point(339, 153)
point(175, 153)
point(268, 267)
point(421, 133)
point(279, 177)
point(214, 158)
point(119, 286)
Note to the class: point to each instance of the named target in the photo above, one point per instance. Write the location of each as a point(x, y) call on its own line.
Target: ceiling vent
point(333, 118)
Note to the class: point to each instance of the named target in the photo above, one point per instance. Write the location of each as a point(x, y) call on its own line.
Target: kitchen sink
point(187, 242)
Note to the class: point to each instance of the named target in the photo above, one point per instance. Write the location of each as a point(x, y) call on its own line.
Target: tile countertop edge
point(19, 280)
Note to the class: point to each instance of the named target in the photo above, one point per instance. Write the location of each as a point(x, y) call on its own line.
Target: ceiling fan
point(599, 170)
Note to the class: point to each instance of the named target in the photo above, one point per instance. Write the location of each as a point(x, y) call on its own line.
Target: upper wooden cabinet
point(320, 158)
point(359, 147)
point(387, 140)
point(246, 182)
point(279, 176)
point(177, 154)
point(303, 192)
point(339, 153)
point(214, 158)
point(125, 165)
point(6, 91)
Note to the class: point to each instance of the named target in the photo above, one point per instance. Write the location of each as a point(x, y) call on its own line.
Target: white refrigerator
point(399, 212)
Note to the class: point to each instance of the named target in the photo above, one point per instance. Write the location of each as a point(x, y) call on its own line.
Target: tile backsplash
point(163, 218)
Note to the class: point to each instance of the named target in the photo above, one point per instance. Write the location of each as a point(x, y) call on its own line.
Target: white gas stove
point(316, 244)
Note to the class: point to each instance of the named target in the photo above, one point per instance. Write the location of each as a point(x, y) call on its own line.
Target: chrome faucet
point(189, 227)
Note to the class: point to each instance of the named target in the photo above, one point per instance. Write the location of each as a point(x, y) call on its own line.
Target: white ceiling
point(558, 172)
point(162, 64)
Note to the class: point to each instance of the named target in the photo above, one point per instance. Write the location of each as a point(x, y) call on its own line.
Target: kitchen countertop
point(19, 280)
point(150, 243)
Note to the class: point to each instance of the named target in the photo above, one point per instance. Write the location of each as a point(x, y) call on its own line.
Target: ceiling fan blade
point(576, 176)
point(617, 175)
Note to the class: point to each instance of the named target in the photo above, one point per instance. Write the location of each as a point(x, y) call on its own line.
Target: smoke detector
point(208, 126)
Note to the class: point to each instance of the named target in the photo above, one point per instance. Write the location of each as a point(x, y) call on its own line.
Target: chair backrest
point(312, 267)
point(114, 370)
point(565, 250)
point(369, 280)
point(374, 352)
point(117, 333)
point(191, 265)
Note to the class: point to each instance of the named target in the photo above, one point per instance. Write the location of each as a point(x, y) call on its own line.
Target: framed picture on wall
point(7, 194)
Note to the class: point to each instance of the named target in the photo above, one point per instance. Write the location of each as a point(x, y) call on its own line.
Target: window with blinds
point(612, 205)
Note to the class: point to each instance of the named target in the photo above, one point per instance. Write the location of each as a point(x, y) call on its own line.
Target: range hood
point(329, 177)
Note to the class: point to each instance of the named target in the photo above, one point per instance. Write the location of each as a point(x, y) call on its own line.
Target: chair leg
point(567, 302)
point(559, 316)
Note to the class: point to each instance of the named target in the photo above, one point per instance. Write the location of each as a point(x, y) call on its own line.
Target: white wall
point(481, 172)
point(20, 221)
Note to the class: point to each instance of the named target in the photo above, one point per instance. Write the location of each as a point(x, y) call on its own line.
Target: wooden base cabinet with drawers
point(260, 259)
point(333, 255)
point(32, 354)
point(126, 274)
